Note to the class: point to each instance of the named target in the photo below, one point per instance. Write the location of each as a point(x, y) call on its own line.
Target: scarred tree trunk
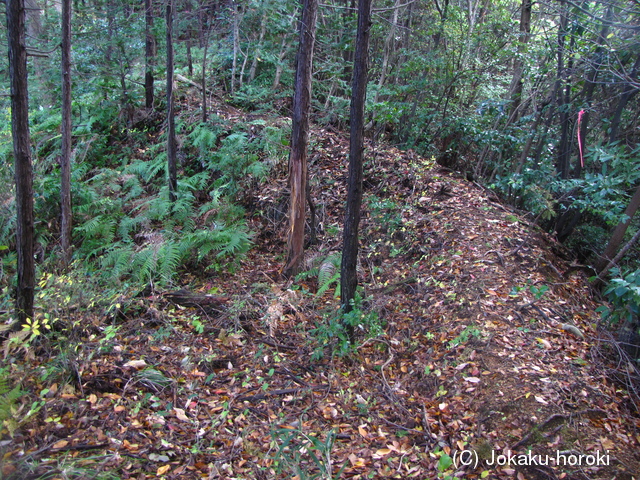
point(65, 156)
point(22, 157)
point(348, 276)
point(300, 139)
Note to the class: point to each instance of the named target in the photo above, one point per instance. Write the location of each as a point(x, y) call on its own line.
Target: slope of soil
point(482, 353)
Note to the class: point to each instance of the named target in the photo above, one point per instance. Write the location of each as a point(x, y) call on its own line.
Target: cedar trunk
point(172, 148)
point(22, 156)
point(300, 139)
point(348, 277)
point(149, 54)
point(65, 156)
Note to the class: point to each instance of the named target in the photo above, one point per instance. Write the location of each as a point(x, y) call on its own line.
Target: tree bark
point(258, 52)
point(300, 139)
point(629, 91)
point(236, 44)
point(387, 49)
point(348, 276)
point(15, 12)
point(618, 233)
point(149, 54)
point(172, 148)
point(65, 155)
point(204, 80)
point(515, 91)
point(563, 87)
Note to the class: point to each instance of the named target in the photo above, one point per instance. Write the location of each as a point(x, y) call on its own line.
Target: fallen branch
point(283, 391)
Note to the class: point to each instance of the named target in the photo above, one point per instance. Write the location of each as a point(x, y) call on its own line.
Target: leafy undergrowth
point(480, 355)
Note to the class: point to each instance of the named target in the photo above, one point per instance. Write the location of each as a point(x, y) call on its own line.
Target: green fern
point(169, 258)
point(329, 274)
point(148, 170)
point(327, 270)
point(8, 397)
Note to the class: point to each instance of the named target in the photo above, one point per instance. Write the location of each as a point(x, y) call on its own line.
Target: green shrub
point(623, 293)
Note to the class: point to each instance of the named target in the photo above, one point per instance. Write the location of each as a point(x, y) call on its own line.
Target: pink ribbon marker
point(580, 114)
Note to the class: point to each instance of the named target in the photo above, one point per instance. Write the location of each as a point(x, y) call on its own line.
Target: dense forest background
point(177, 109)
point(537, 102)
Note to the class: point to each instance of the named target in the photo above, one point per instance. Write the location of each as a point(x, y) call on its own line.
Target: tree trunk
point(618, 257)
point(65, 155)
point(258, 52)
point(387, 49)
point(348, 276)
point(564, 87)
point(618, 233)
point(149, 54)
point(172, 149)
point(204, 80)
point(515, 91)
point(300, 139)
point(15, 12)
point(590, 84)
point(629, 91)
point(236, 44)
point(284, 48)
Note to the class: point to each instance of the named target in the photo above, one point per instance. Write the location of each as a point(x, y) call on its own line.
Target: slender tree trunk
point(347, 53)
point(618, 233)
point(348, 276)
point(65, 155)
point(172, 149)
point(527, 148)
point(189, 57)
point(300, 139)
point(258, 52)
point(387, 49)
point(590, 83)
point(15, 12)
point(618, 257)
point(515, 91)
point(204, 80)
point(629, 91)
point(562, 80)
point(284, 48)
point(149, 54)
point(236, 44)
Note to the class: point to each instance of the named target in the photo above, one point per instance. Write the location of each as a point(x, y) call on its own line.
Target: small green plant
point(539, 292)
point(386, 213)
point(335, 331)
point(306, 456)
point(464, 336)
point(31, 330)
point(197, 325)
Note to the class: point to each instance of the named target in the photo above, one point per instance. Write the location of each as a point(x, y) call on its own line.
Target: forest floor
point(489, 363)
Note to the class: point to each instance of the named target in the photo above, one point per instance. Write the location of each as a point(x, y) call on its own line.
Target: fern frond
point(144, 263)
point(130, 225)
point(329, 273)
point(147, 170)
point(8, 398)
point(169, 258)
